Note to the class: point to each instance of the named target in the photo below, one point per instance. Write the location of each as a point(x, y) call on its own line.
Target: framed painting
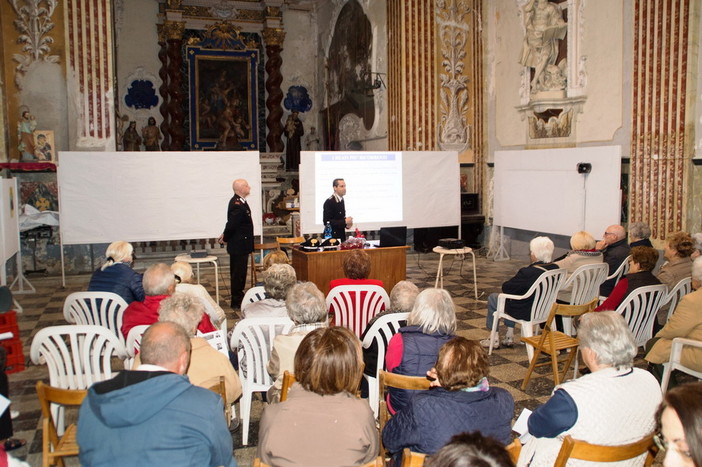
point(44, 146)
point(223, 110)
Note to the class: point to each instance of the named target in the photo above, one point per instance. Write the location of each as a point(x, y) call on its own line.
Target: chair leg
point(493, 334)
point(571, 356)
point(667, 369)
point(528, 331)
point(372, 394)
point(245, 409)
point(554, 367)
point(532, 365)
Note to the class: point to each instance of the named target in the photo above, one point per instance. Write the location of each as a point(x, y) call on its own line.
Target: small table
point(457, 251)
point(207, 259)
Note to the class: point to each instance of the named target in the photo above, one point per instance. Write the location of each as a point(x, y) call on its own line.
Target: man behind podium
point(335, 211)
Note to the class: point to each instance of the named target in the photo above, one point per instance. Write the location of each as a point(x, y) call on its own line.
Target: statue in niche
point(555, 79)
point(293, 132)
point(544, 26)
point(312, 140)
point(151, 135)
point(131, 139)
point(25, 134)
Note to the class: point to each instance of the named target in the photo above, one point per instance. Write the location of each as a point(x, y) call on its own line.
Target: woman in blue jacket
point(117, 275)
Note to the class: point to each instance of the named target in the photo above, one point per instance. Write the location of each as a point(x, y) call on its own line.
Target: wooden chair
point(675, 361)
point(288, 380)
point(514, 449)
point(551, 342)
point(377, 462)
point(543, 292)
point(289, 241)
point(55, 447)
point(221, 389)
point(391, 380)
point(412, 459)
point(575, 449)
point(258, 267)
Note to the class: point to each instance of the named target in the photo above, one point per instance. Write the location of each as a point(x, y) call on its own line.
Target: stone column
point(176, 117)
point(274, 38)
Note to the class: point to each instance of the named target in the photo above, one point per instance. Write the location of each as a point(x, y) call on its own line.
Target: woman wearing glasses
point(680, 425)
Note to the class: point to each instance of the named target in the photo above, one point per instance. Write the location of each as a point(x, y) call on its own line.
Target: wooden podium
point(388, 264)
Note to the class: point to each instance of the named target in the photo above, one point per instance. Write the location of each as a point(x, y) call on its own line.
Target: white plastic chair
point(252, 339)
point(77, 356)
point(381, 331)
point(639, 310)
point(254, 294)
point(675, 361)
point(681, 289)
point(133, 344)
point(99, 308)
point(620, 272)
point(354, 305)
point(586, 281)
point(544, 292)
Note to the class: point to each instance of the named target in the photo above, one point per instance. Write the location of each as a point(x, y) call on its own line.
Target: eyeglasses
point(609, 233)
point(664, 445)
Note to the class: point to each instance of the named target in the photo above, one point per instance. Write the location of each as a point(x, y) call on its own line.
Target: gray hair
point(607, 334)
point(117, 252)
point(697, 269)
point(182, 309)
point(158, 279)
point(278, 279)
point(306, 304)
point(163, 343)
point(639, 230)
point(433, 311)
point(542, 249)
point(183, 270)
point(403, 296)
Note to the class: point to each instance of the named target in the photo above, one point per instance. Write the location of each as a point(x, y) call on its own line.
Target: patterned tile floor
point(508, 366)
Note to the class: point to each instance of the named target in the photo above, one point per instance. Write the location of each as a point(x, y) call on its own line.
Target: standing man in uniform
point(238, 235)
point(335, 211)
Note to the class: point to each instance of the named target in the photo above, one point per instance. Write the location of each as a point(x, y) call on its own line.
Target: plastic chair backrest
point(100, 308)
point(77, 356)
point(544, 291)
point(253, 339)
point(354, 305)
point(575, 449)
point(621, 271)
point(134, 343)
point(639, 310)
point(382, 331)
point(681, 289)
point(586, 282)
point(254, 294)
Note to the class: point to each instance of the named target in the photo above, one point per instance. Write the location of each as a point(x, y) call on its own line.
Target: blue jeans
point(491, 309)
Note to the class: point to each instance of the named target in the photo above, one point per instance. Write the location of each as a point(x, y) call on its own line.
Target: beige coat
point(313, 430)
point(672, 273)
point(206, 366)
point(686, 321)
point(572, 262)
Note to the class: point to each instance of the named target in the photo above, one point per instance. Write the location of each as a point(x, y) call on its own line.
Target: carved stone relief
point(349, 131)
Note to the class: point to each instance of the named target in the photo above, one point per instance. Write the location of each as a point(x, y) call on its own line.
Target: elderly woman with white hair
point(541, 253)
point(686, 321)
point(206, 363)
point(116, 274)
point(413, 350)
point(308, 310)
point(615, 404)
point(639, 233)
point(582, 252)
point(184, 276)
point(277, 281)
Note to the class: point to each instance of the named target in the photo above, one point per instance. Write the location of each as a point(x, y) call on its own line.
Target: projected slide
point(373, 184)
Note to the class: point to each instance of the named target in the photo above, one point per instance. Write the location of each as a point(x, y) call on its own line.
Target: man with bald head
point(153, 415)
point(238, 235)
point(615, 249)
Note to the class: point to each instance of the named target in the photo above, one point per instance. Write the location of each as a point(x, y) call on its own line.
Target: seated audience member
point(686, 321)
point(308, 310)
point(461, 400)
point(615, 404)
point(206, 363)
point(679, 433)
point(277, 281)
point(541, 252)
point(402, 298)
point(414, 349)
point(643, 260)
point(639, 234)
point(357, 267)
point(678, 249)
point(116, 274)
point(275, 257)
point(184, 276)
point(154, 415)
point(614, 250)
point(469, 450)
point(322, 422)
point(159, 284)
point(583, 252)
